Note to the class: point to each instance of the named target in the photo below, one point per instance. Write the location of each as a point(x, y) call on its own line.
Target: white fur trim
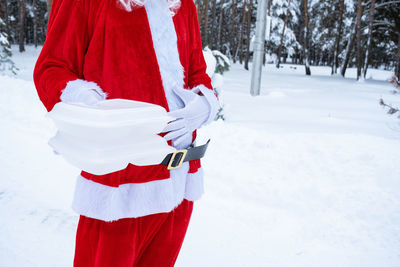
point(194, 185)
point(165, 43)
point(211, 99)
point(166, 48)
point(135, 200)
point(74, 88)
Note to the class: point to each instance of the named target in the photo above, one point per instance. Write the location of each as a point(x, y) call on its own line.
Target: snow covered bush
point(6, 64)
point(223, 63)
point(217, 64)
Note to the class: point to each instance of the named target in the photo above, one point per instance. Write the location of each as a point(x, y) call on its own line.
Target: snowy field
point(307, 174)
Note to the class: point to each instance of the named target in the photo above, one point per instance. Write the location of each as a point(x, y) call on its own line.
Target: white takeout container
point(105, 159)
point(107, 137)
point(110, 120)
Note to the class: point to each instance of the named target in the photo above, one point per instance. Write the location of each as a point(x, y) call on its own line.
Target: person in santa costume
point(143, 50)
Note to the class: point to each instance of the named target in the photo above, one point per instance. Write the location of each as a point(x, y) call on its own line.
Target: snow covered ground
point(307, 174)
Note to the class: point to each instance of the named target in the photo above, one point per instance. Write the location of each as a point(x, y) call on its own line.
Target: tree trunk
point(369, 42)
point(47, 15)
point(35, 40)
point(205, 24)
point(49, 3)
point(338, 38)
point(269, 8)
point(349, 48)
point(269, 15)
point(21, 25)
point(283, 36)
point(233, 31)
point(358, 52)
point(397, 68)
point(6, 19)
point(239, 49)
point(306, 41)
point(249, 10)
point(221, 17)
point(200, 7)
point(213, 18)
point(321, 58)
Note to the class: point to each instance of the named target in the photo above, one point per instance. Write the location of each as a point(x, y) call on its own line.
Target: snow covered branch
point(387, 3)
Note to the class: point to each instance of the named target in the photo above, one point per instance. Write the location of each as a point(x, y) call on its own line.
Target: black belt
point(175, 160)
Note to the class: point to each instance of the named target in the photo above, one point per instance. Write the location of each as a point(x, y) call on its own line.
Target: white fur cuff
point(211, 99)
point(73, 90)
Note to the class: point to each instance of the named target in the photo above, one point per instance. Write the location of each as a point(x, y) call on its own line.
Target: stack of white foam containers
point(106, 137)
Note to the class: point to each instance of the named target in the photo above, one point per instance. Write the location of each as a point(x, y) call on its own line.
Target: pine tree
point(284, 17)
point(6, 64)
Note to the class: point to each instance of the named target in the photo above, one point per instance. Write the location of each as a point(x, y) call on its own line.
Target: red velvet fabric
point(149, 241)
point(98, 41)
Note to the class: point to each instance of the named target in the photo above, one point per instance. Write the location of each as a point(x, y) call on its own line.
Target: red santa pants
point(153, 240)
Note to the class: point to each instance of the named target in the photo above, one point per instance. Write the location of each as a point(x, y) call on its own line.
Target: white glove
point(195, 113)
point(80, 91)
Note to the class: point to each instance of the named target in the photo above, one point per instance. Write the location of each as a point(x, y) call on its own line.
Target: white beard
point(129, 5)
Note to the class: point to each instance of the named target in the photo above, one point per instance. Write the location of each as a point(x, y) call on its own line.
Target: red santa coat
point(98, 41)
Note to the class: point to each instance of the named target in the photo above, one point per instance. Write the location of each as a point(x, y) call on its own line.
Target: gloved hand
point(195, 113)
point(80, 91)
point(88, 97)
